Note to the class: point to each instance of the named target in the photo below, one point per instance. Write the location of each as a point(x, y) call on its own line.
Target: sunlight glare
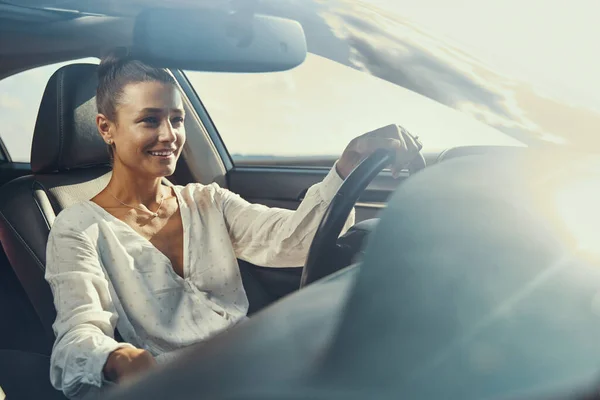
point(578, 205)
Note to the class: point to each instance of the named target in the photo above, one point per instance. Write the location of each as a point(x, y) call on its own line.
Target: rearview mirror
point(215, 40)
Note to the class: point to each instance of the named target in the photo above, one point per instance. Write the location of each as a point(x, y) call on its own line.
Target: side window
point(301, 117)
point(20, 97)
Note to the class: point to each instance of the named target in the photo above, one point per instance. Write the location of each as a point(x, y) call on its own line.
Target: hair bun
point(112, 61)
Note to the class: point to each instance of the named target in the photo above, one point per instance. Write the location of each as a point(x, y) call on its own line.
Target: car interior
point(364, 329)
point(70, 163)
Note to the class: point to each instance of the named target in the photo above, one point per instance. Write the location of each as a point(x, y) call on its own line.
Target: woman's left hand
point(388, 137)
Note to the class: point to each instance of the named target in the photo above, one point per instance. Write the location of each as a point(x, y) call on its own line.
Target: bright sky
point(552, 43)
point(318, 107)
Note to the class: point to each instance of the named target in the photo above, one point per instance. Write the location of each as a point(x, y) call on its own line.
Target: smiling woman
point(151, 98)
point(159, 261)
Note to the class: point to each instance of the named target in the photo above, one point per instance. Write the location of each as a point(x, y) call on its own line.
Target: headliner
point(40, 32)
point(113, 7)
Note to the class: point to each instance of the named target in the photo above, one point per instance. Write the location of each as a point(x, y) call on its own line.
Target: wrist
point(110, 367)
point(337, 170)
point(343, 168)
point(126, 362)
point(113, 363)
point(346, 163)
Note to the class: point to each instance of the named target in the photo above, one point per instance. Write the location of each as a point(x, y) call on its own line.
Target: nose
point(167, 133)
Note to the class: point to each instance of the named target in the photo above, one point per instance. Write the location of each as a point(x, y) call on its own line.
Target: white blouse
point(103, 275)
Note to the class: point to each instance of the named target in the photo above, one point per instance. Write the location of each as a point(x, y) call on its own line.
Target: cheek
point(133, 143)
point(181, 137)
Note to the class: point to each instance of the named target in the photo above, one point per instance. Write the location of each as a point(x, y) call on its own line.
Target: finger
point(374, 143)
point(410, 137)
point(401, 150)
point(389, 131)
point(411, 144)
point(412, 150)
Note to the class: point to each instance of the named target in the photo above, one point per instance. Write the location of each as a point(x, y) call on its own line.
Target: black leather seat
point(24, 375)
point(70, 163)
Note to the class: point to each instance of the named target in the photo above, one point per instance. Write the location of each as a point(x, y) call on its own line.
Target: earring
point(109, 141)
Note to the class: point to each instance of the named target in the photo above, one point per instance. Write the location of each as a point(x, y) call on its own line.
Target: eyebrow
point(159, 110)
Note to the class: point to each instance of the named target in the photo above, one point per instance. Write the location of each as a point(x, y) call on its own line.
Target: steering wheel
point(323, 255)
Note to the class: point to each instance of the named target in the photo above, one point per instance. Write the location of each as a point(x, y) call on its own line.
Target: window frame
point(4, 154)
point(205, 119)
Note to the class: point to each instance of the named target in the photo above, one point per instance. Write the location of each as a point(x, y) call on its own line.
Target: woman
point(157, 262)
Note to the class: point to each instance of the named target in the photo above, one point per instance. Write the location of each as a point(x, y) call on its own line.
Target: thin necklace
point(154, 214)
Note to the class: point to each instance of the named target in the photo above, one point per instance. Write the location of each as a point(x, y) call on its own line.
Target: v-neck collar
point(183, 212)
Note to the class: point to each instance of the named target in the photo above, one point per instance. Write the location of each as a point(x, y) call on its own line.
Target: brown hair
point(116, 70)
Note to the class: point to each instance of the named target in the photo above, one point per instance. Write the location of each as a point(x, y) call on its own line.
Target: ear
point(104, 128)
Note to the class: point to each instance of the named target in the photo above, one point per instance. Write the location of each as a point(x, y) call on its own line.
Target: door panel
point(285, 187)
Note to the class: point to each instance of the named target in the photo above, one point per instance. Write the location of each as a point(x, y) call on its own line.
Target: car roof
point(41, 32)
point(116, 8)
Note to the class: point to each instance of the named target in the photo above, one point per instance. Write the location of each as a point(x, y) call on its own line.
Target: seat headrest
point(65, 135)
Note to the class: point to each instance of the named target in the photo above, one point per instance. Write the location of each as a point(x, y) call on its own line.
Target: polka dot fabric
point(104, 275)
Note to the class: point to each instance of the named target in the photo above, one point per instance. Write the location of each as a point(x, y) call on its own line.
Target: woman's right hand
point(125, 363)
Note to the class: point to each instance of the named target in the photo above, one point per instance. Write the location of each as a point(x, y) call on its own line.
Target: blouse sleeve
point(86, 317)
point(275, 237)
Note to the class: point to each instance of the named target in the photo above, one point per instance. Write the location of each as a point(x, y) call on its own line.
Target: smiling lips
point(162, 153)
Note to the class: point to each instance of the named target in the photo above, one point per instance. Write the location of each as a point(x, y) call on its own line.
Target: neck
point(132, 188)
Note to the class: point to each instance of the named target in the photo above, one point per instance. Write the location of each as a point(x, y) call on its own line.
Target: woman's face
point(148, 133)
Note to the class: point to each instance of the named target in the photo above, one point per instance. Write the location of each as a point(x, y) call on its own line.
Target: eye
point(150, 120)
point(177, 121)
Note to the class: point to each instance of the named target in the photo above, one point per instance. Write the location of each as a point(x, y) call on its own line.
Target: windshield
point(317, 108)
point(369, 66)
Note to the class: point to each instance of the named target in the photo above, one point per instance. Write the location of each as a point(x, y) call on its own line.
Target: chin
point(164, 172)
point(158, 172)
point(168, 173)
